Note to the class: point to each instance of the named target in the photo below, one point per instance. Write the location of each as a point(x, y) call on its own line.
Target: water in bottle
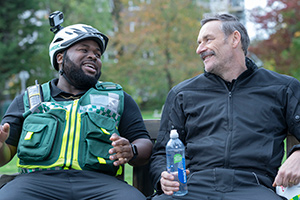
point(176, 162)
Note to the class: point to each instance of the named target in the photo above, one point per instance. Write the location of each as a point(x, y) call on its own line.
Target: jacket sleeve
point(293, 111)
point(172, 118)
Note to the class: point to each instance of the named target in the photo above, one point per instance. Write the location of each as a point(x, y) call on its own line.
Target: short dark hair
point(230, 23)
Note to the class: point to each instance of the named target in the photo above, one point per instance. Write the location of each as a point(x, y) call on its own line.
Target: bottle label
point(177, 158)
point(182, 175)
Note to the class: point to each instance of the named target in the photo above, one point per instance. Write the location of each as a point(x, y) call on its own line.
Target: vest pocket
point(37, 137)
point(97, 157)
point(98, 131)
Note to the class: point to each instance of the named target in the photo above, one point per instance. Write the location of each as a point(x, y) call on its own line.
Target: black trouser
point(68, 185)
point(225, 184)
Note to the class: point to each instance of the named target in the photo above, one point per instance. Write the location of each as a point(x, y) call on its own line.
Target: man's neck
point(66, 87)
point(234, 70)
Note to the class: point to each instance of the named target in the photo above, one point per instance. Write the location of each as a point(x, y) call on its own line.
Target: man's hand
point(4, 133)
point(121, 150)
point(168, 185)
point(7, 152)
point(289, 172)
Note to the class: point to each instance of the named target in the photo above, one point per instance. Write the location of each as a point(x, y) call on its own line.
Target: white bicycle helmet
point(70, 35)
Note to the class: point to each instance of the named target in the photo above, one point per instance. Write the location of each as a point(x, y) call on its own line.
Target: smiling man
point(73, 143)
point(233, 120)
point(85, 72)
point(220, 52)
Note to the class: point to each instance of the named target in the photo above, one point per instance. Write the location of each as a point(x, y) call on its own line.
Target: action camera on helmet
point(56, 19)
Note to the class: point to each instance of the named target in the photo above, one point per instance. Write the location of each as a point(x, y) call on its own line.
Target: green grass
point(10, 168)
point(149, 114)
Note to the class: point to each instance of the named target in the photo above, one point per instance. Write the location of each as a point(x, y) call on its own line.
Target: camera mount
point(56, 19)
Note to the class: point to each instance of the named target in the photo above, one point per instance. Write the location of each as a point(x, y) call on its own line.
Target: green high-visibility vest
point(72, 134)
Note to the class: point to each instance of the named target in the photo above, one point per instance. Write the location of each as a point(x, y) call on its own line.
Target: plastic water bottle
point(176, 162)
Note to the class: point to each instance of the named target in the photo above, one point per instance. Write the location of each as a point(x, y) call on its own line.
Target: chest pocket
point(37, 137)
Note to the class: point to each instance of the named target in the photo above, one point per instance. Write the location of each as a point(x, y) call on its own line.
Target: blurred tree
point(280, 50)
point(155, 48)
point(96, 13)
point(18, 31)
point(25, 36)
point(152, 43)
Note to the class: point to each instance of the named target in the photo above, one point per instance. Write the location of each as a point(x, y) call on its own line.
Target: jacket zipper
point(229, 136)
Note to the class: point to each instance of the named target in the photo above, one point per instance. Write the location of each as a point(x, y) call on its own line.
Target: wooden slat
point(152, 126)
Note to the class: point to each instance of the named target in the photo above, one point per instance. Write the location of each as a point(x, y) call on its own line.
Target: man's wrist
point(294, 148)
point(134, 151)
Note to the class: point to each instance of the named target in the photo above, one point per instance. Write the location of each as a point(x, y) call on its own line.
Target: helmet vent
point(69, 33)
point(58, 39)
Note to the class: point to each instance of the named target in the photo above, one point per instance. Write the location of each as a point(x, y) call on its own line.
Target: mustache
point(206, 53)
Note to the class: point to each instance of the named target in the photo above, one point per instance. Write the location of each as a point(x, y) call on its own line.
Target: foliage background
point(147, 62)
point(152, 43)
point(281, 21)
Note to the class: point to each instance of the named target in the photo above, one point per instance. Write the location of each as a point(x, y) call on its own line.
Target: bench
point(140, 176)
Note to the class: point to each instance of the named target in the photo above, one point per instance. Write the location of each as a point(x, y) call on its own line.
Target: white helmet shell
point(291, 193)
point(70, 35)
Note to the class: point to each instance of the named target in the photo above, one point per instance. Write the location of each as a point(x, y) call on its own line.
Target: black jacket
point(239, 127)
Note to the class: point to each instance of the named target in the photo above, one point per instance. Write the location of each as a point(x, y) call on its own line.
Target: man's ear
point(236, 39)
point(60, 58)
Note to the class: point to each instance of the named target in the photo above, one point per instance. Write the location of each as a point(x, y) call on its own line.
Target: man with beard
point(74, 141)
point(233, 120)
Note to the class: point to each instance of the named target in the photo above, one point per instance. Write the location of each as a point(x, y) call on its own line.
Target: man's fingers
point(167, 175)
point(114, 137)
point(4, 132)
point(168, 184)
point(6, 127)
